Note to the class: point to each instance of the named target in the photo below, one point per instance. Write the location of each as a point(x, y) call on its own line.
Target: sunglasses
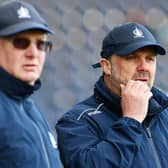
point(23, 43)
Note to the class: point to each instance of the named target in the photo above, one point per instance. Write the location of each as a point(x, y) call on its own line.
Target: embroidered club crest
point(23, 13)
point(138, 33)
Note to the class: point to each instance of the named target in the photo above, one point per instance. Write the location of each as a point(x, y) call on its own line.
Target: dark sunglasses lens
point(21, 43)
point(44, 45)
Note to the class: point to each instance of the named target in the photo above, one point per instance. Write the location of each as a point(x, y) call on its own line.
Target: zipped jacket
point(26, 140)
point(94, 134)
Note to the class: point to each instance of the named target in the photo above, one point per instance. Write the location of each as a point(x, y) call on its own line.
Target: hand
point(135, 97)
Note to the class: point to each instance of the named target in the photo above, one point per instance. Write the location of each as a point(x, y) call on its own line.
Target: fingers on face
point(138, 87)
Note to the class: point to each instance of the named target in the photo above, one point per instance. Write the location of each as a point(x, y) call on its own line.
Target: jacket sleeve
point(83, 146)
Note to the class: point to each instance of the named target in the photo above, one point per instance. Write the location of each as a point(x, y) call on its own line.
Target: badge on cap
point(23, 13)
point(137, 33)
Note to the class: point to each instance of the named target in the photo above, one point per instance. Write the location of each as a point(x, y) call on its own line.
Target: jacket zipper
point(40, 137)
point(153, 148)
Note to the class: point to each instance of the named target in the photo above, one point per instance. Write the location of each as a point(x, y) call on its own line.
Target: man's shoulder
point(5, 99)
point(87, 107)
point(160, 96)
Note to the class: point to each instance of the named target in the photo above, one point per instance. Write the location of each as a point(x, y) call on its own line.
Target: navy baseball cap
point(127, 38)
point(18, 16)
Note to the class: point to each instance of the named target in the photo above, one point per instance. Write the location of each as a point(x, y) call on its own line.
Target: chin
point(30, 81)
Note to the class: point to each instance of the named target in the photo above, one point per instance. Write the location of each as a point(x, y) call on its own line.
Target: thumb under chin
point(122, 86)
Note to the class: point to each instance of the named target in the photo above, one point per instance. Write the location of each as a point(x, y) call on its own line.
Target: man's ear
point(106, 66)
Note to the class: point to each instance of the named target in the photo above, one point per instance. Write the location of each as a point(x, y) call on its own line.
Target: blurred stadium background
point(80, 26)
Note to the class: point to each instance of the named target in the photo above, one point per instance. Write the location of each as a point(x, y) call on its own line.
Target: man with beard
point(124, 123)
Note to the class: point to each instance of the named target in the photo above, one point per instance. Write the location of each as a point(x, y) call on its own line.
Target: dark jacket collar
point(16, 88)
point(156, 104)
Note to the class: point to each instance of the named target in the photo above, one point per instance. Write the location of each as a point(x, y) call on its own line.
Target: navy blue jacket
point(26, 140)
point(95, 135)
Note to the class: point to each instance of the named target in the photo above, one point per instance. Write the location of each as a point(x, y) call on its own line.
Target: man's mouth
point(142, 79)
point(143, 76)
point(29, 67)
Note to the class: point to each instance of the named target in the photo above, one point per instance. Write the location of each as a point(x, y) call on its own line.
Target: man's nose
point(142, 64)
point(32, 50)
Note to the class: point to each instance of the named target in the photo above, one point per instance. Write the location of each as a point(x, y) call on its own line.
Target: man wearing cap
point(124, 123)
point(26, 139)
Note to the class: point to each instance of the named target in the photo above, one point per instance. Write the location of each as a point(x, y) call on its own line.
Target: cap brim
point(135, 46)
point(97, 65)
point(20, 27)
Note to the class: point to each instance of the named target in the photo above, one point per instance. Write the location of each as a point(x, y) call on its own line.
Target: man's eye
point(151, 58)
